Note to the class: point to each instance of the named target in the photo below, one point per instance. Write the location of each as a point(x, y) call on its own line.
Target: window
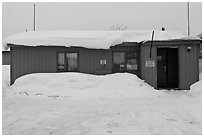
point(125, 61)
point(67, 62)
point(61, 62)
point(131, 64)
point(131, 58)
point(119, 60)
point(103, 61)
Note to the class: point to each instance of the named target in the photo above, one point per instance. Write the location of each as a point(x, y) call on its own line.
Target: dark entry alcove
point(167, 68)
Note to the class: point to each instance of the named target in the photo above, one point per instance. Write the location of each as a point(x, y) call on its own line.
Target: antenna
point(188, 20)
point(34, 18)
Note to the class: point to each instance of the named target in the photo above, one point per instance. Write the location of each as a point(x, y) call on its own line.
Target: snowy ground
point(74, 103)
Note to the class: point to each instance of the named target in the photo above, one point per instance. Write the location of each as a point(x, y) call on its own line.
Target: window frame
point(113, 64)
point(126, 51)
point(57, 63)
point(65, 59)
point(137, 61)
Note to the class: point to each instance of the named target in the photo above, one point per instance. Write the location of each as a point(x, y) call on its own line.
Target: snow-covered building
point(169, 61)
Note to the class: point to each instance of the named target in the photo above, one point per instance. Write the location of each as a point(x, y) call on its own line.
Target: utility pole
point(34, 18)
point(188, 20)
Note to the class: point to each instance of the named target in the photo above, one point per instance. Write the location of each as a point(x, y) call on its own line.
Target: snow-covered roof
point(87, 39)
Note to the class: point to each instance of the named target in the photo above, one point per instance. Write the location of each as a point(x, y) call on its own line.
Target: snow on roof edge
point(86, 39)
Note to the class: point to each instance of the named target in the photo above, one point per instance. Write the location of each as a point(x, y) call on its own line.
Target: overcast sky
point(18, 17)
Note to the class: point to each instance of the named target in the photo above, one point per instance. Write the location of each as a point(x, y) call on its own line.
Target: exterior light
point(189, 48)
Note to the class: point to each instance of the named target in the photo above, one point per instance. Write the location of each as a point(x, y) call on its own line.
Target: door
point(167, 67)
point(172, 68)
point(162, 67)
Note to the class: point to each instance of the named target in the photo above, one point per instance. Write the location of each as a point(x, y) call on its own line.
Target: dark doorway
point(167, 67)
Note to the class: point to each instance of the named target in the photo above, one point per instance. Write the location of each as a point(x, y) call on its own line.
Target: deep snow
point(73, 103)
point(87, 39)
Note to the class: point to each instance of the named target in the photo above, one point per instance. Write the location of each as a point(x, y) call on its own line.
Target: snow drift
point(5, 76)
point(116, 106)
point(79, 85)
point(87, 39)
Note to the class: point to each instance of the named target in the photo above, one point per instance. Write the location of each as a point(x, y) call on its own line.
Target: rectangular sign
point(149, 63)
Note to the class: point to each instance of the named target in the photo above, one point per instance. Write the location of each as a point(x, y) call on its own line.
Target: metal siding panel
point(153, 69)
point(194, 65)
point(149, 73)
point(182, 67)
point(28, 60)
point(188, 71)
point(142, 53)
point(197, 61)
point(190, 66)
point(11, 66)
point(15, 70)
point(141, 63)
point(81, 64)
point(179, 67)
point(6, 59)
point(154, 76)
point(146, 69)
point(90, 60)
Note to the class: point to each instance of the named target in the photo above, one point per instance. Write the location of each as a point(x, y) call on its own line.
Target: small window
point(61, 61)
point(103, 61)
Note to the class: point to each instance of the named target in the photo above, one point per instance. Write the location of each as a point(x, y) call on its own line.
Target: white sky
point(18, 17)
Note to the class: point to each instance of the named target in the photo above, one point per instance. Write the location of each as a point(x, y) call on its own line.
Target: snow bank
point(87, 39)
point(78, 85)
point(196, 88)
point(5, 76)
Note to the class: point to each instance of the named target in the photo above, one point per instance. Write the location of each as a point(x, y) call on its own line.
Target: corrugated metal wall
point(188, 62)
point(148, 73)
point(189, 66)
point(89, 61)
point(26, 60)
point(6, 58)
